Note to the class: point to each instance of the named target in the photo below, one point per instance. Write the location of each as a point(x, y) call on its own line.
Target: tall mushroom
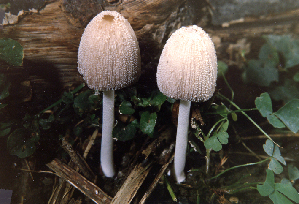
point(108, 59)
point(187, 71)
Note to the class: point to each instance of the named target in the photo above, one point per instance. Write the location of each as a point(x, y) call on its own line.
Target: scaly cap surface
point(187, 67)
point(108, 55)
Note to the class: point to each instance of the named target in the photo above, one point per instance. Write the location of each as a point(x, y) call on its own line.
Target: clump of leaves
point(278, 60)
point(12, 53)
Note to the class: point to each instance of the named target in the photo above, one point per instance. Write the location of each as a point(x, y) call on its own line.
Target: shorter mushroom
point(187, 71)
point(108, 59)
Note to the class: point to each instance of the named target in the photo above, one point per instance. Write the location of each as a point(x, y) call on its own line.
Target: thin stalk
point(60, 100)
point(249, 118)
point(208, 160)
point(234, 167)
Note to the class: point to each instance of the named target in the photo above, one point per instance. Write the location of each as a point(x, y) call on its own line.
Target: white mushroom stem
point(107, 139)
point(181, 140)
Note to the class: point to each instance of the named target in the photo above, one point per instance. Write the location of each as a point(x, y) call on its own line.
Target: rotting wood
point(78, 160)
point(51, 37)
point(88, 188)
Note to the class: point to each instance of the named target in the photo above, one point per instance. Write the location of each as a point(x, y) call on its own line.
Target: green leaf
point(2, 105)
point(4, 87)
point(286, 92)
point(287, 46)
point(277, 155)
point(273, 120)
point(126, 108)
point(158, 99)
point(285, 187)
point(260, 72)
point(289, 115)
point(293, 172)
point(21, 143)
point(296, 77)
point(224, 126)
point(81, 102)
point(234, 116)
point(268, 52)
point(222, 137)
point(46, 123)
point(269, 147)
point(273, 151)
point(222, 68)
point(268, 186)
point(68, 97)
point(275, 166)
point(278, 198)
point(125, 132)
point(213, 143)
point(11, 51)
point(264, 104)
point(148, 122)
point(5, 129)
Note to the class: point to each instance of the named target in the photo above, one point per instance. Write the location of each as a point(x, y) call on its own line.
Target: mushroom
point(108, 59)
point(187, 70)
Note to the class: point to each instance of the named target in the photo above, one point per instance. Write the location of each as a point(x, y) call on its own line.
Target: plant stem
point(208, 160)
point(60, 100)
point(234, 167)
point(249, 118)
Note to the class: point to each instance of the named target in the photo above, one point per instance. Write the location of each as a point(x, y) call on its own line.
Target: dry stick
point(78, 181)
point(78, 160)
point(90, 143)
point(132, 184)
point(241, 140)
point(154, 183)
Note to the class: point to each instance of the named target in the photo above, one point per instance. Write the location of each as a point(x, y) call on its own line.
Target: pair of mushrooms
point(109, 59)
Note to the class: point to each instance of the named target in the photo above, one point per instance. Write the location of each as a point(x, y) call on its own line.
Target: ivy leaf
point(81, 102)
point(124, 132)
point(286, 92)
point(260, 72)
point(4, 87)
point(264, 104)
point(148, 122)
point(296, 77)
point(268, 186)
point(222, 68)
point(21, 143)
point(11, 51)
point(268, 52)
point(126, 108)
point(158, 99)
point(68, 97)
point(5, 129)
point(289, 115)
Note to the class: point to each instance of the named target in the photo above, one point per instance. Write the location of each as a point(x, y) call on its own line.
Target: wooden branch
point(78, 160)
point(78, 181)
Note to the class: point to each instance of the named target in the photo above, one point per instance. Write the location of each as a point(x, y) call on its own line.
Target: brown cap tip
point(108, 55)
point(187, 67)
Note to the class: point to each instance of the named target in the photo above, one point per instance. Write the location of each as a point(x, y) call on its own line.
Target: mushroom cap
point(108, 55)
point(187, 67)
